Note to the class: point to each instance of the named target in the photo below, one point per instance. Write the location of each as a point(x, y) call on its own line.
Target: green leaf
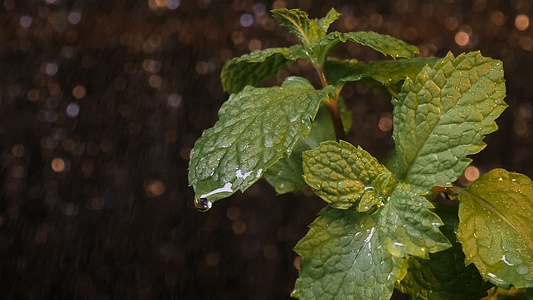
point(286, 175)
point(322, 24)
point(443, 115)
point(444, 275)
point(298, 22)
point(408, 225)
point(496, 227)
point(342, 259)
point(256, 128)
point(341, 174)
point(385, 44)
point(255, 67)
point(387, 72)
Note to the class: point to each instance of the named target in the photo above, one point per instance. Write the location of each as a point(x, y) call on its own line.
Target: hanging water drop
point(202, 204)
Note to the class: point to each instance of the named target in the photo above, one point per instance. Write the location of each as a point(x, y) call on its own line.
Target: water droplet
point(242, 176)
point(202, 204)
point(504, 259)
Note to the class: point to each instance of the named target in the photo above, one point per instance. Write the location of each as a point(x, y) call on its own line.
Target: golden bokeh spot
point(154, 188)
point(521, 22)
point(462, 38)
point(472, 173)
point(79, 92)
point(58, 165)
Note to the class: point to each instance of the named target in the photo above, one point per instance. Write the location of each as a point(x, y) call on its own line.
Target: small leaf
point(298, 22)
point(408, 225)
point(444, 275)
point(342, 259)
point(322, 24)
point(340, 173)
point(255, 67)
point(443, 115)
point(386, 72)
point(385, 44)
point(496, 227)
point(256, 128)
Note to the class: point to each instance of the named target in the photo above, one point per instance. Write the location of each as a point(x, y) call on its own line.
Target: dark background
point(101, 102)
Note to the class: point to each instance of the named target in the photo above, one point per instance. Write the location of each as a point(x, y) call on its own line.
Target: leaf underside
point(442, 116)
point(496, 227)
point(377, 73)
point(257, 66)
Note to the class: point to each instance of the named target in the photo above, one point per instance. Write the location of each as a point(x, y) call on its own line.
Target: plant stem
point(322, 75)
point(333, 105)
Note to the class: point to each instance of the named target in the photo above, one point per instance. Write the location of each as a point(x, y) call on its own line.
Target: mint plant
point(381, 228)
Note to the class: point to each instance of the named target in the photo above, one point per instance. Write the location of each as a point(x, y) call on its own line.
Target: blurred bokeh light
point(101, 102)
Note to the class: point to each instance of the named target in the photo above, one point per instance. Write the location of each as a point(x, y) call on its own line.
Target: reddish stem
point(333, 105)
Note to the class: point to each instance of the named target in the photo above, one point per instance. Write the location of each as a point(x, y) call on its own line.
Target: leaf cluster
point(380, 230)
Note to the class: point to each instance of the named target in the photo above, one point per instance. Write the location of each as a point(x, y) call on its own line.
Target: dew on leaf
point(495, 278)
point(241, 175)
point(504, 259)
point(202, 204)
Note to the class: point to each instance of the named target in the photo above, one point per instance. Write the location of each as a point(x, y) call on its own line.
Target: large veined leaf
point(443, 115)
point(444, 275)
point(341, 174)
point(256, 67)
point(496, 227)
point(386, 72)
point(342, 258)
point(298, 22)
point(408, 225)
point(257, 126)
